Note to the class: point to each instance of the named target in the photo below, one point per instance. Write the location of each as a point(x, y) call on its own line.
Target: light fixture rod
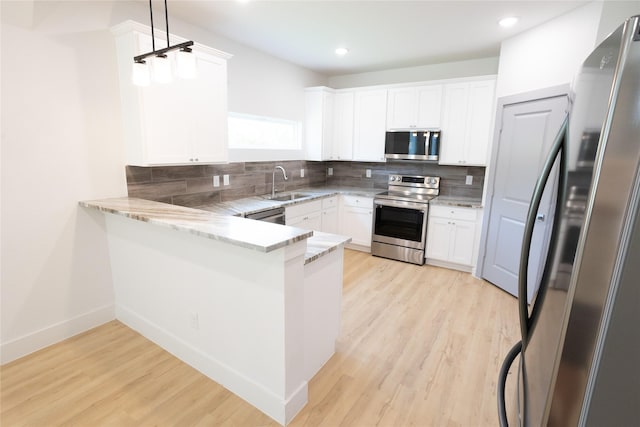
point(153, 38)
point(184, 46)
point(166, 20)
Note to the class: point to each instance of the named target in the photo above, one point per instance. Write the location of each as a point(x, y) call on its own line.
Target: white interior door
point(528, 131)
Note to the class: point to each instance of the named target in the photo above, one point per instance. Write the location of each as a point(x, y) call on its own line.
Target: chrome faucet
point(273, 181)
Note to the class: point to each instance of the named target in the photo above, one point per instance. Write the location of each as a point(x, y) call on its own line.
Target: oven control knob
point(393, 178)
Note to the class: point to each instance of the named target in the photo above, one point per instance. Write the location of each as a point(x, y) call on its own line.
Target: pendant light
point(161, 63)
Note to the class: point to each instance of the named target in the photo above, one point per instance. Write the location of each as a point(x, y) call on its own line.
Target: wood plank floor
point(420, 346)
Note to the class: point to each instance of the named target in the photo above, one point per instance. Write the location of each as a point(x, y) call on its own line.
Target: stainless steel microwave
point(412, 145)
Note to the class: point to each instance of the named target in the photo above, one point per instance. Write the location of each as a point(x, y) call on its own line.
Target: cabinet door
point(479, 121)
point(209, 117)
point(318, 124)
point(370, 118)
point(462, 241)
point(438, 237)
point(330, 220)
point(356, 223)
point(429, 106)
point(310, 221)
point(313, 221)
point(454, 124)
point(342, 147)
point(178, 122)
point(402, 108)
point(467, 123)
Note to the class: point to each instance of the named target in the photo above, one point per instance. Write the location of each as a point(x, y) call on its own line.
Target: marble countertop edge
point(256, 235)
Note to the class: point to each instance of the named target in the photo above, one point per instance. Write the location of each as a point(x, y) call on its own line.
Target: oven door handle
point(424, 207)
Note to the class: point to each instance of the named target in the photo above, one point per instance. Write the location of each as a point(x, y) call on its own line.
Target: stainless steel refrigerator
point(579, 361)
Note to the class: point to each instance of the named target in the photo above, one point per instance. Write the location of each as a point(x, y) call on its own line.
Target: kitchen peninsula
point(229, 296)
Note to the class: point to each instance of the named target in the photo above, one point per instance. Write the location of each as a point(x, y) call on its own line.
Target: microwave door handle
point(536, 198)
point(427, 139)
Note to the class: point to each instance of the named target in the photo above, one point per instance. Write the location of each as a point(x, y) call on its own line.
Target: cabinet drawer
point(357, 201)
point(303, 208)
point(330, 202)
point(450, 212)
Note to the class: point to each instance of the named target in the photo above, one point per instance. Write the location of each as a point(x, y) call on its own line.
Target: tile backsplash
point(452, 178)
point(192, 185)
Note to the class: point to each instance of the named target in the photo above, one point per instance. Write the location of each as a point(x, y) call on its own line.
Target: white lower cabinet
point(451, 235)
point(345, 214)
point(356, 218)
point(330, 218)
point(304, 215)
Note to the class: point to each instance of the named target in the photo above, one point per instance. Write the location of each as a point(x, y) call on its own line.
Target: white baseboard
point(53, 334)
point(357, 247)
point(281, 410)
point(450, 265)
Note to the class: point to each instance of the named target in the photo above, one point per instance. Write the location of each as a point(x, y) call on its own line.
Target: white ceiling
point(380, 34)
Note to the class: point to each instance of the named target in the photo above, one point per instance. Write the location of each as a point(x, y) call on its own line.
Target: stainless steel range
point(400, 217)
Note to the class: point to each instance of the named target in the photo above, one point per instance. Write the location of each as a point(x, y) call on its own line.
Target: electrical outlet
point(301, 173)
point(216, 181)
point(469, 180)
point(368, 173)
point(194, 320)
point(330, 171)
point(225, 179)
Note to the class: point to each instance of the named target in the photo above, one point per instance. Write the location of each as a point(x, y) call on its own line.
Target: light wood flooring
point(420, 346)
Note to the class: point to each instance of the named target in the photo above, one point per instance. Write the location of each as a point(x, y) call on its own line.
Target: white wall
point(550, 54)
point(613, 15)
point(449, 70)
point(62, 142)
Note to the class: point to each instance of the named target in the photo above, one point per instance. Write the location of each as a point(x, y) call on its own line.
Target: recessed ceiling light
point(507, 22)
point(342, 51)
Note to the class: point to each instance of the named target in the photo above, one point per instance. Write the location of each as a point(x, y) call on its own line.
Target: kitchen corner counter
point(462, 202)
point(238, 278)
point(321, 244)
point(257, 235)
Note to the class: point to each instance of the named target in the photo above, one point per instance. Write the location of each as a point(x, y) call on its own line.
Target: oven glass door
point(400, 225)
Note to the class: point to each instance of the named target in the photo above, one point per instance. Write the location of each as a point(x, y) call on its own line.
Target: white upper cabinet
point(182, 122)
point(328, 124)
point(370, 116)
point(414, 107)
point(318, 123)
point(342, 147)
point(467, 122)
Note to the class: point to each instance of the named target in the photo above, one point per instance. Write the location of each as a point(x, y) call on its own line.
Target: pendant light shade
point(186, 64)
point(161, 64)
point(140, 75)
point(161, 69)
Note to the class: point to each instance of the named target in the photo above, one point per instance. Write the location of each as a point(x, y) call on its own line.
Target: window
point(263, 133)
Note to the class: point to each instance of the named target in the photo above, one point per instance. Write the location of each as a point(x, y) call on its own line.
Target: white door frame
point(489, 185)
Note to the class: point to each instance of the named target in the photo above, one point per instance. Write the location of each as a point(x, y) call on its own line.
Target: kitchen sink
point(290, 196)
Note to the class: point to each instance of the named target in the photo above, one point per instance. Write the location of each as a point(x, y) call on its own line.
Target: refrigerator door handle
point(556, 149)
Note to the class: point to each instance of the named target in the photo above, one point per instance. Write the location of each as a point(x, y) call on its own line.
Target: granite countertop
point(257, 235)
point(321, 244)
point(463, 202)
point(249, 205)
